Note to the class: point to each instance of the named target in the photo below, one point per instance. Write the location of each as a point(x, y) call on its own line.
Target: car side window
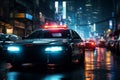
point(75, 35)
point(34, 35)
point(57, 34)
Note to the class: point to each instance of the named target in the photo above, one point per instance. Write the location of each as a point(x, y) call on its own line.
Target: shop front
point(22, 23)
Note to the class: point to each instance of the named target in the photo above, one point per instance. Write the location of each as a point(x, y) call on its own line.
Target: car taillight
point(92, 43)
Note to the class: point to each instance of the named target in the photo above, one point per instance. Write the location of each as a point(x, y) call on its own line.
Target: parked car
point(6, 39)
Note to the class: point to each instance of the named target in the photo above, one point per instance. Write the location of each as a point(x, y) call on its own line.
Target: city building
point(21, 17)
point(16, 17)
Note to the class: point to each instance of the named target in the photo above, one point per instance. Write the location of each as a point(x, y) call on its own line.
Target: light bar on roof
point(55, 27)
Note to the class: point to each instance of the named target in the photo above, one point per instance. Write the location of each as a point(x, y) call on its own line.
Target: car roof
point(51, 30)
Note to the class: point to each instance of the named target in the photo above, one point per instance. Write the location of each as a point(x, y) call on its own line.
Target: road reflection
point(89, 65)
point(99, 65)
point(33, 76)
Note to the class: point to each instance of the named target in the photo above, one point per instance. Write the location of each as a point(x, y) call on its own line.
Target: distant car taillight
point(92, 43)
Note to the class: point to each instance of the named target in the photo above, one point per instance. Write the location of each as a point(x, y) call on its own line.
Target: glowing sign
point(28, 16)
point(110, 24)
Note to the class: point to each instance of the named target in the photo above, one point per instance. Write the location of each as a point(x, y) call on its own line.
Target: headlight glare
point(13, 49)
point(54, 48)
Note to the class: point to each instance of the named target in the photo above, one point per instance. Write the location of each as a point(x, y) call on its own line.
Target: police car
point(53, 45)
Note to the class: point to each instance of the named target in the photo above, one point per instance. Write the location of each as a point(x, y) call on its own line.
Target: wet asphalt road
point(100, 64)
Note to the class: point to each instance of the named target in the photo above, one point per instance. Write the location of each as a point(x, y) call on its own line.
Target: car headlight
point(54, 49)
point(14, 49)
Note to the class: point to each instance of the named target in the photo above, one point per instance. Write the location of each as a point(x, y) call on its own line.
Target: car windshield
point(49, 34)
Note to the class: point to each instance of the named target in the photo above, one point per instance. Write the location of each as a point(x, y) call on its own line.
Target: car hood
point(43, 41)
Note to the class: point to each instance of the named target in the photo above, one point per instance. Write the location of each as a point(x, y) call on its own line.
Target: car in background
point(101, 43)
point(6, 39)
point(90, 45)
point(54, 45)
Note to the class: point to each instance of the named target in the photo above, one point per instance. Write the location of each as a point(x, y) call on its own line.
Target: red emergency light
point(55, 27)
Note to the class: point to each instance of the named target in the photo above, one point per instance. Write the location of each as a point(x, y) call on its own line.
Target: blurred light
point(108, 60)
point(80, 8)
point(19, 15)
point(109, 31)
point(56, 6)
point(28, 16)
point(56, 27)
point(110, 24)
point(9, 31)
point(54, 49)
point(40, 13)
point(14, 49)
point(89, 60)
point(92, 43)
point(64, 9)
point(88, 5)
point(53, 77)
point(94, 27)
point(12, 76)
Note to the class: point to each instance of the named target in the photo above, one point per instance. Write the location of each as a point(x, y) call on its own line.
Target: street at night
point(100, 64)
point(59, 39)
